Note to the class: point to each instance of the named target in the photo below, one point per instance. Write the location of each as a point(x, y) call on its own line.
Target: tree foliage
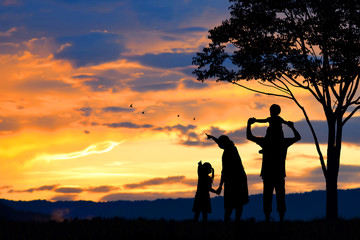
point(318, 40)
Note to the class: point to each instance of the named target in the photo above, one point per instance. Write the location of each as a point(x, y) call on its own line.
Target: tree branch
point(297, 84)
point(353, 91)
point(277, 87)
point(261, 92)
point(317, 144)
point(350, 115)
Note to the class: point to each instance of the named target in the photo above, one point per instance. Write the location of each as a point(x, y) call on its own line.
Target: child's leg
point(196, 216)
point(204, 216)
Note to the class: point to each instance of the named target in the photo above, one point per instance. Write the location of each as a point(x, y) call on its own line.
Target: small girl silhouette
point(202, 202)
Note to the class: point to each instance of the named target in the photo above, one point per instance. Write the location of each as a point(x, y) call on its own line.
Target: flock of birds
point(143, 112)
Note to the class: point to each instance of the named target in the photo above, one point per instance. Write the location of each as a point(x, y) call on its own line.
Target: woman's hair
point(224, 142)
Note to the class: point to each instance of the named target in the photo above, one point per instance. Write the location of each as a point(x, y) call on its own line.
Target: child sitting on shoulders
point(274, 131)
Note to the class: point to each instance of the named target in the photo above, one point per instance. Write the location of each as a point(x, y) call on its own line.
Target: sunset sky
point(70, 69)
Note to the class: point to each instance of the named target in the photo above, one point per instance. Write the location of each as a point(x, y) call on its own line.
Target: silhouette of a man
point(273, 167)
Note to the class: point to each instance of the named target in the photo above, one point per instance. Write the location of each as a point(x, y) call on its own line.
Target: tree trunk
point(331, 197)
point(333, 165)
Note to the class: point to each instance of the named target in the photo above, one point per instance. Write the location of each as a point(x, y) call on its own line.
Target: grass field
point(172, 230)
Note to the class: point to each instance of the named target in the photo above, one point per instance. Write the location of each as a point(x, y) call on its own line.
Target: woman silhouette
point(233, 177)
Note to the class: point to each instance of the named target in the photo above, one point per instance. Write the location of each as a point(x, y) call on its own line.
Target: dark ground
point(116, 228)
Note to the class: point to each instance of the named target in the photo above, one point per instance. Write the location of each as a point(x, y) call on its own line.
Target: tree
point(312, 45)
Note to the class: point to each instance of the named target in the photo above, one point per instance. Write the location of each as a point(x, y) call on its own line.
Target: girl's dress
point(202, 197)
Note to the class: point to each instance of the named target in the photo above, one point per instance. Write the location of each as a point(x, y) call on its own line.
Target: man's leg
point(238, 213)
point(268, 189)
point(227, 215)
point(280, 198)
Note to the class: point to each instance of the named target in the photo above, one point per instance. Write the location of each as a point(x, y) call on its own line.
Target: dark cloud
point(165, 60)
point(44, 85)
point(347, 174)
point(259, 105)
point(101, 189)
point(59, 18)
point(191, 84)
point(47, 122)
point(127, 125)
point(147, 196)
point(163, 13)
point(152, 81)
point(156, 181)
point(91, 49)
point(191, 182)
point(86, 111)
point(182, 31)
point(115, 109)
point(190, 137)
point(154, 87)
point(30, 190)
point(44, 188)
point(8, 48)
point(100, 83)
point(84, 2)
point(69, 190)
point(50, 122)
point(194, 139)
point(181, 128)
point(9, 124)
point(351, 131)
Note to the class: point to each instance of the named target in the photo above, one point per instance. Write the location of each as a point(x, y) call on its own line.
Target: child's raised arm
point(283, 121)
point(265, 120)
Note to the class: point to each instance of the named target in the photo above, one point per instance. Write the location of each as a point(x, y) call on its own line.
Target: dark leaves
point(311, 39)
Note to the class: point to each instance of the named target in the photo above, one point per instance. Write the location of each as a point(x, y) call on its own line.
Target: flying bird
point(143, 112)
point(131, 105)
point(194, 118)
point(178, 115)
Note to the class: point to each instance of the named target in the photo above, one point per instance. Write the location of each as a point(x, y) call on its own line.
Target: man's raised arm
point(297, 136)
point(249, 134)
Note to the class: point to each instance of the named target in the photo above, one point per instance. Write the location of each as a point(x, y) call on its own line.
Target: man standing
point(273, 167)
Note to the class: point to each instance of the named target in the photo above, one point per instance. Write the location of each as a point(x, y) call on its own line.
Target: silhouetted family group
point(274, 149)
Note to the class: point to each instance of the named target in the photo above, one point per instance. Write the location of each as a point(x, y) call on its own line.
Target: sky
point(98, 102)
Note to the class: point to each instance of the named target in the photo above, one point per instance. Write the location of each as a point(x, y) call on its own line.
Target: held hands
point(218, 191)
